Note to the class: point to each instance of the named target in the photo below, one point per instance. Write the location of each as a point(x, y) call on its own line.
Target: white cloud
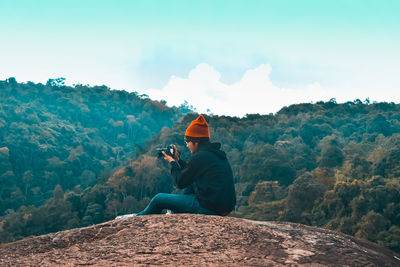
point(254, 93)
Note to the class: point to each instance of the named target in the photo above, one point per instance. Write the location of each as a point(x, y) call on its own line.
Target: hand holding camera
point(170, 153)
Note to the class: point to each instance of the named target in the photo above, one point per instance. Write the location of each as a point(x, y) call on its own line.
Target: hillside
point(61, 135)
point(55, 138)
point(325, 164)
point(195, 240)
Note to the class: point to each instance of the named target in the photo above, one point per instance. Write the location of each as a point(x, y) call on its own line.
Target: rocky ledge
point(195, 240)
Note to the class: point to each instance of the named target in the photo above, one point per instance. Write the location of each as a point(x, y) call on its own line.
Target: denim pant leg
point(175, 203)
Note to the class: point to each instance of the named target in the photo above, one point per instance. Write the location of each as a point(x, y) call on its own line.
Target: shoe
point(125, 216)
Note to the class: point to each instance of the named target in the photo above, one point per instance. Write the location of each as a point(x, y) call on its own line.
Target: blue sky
point(230, 57)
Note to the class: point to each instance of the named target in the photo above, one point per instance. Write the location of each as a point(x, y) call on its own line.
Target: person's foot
point(125, 216)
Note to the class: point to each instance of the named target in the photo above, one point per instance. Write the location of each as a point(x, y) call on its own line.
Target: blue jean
point(175, 203)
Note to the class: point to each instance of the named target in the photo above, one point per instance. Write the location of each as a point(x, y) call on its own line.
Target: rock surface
point(195, 240)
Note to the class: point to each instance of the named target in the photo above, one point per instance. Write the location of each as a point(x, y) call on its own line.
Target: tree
point(379, 125)
point(371, 225)
point(266, 191)
point(273, 165)
point(331, 154)
point(301, 196)
point(391, 238)
point(56, 82)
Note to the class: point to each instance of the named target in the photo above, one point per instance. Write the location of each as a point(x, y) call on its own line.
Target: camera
point(169, 150)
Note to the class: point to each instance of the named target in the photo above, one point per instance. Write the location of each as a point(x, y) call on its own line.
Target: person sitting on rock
point(206, 178)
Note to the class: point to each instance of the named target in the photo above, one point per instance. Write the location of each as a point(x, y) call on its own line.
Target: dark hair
point(200, 140)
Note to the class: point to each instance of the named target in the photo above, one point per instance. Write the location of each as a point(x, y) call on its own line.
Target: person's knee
point(159, 197)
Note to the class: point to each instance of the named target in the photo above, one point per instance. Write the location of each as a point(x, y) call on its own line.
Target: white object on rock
point(125, 216)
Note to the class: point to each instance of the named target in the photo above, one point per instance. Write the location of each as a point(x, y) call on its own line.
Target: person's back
point(210, 174)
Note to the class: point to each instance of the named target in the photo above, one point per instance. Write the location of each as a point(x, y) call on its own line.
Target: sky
point(223, 57)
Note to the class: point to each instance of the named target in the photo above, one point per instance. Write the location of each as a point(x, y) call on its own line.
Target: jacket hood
point(214, 148)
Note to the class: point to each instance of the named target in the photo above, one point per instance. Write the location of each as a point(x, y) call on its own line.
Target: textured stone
point(195, 240)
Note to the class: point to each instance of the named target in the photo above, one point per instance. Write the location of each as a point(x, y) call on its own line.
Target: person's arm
point(182, 163)
point(184, 177)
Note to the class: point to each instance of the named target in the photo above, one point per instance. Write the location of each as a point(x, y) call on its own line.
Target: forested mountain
point(324, 164)
point(59, 135)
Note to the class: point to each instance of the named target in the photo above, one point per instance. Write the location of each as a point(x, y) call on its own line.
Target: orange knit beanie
point(198, 129)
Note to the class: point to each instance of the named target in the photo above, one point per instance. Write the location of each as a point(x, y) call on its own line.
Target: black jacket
point(209, 174)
